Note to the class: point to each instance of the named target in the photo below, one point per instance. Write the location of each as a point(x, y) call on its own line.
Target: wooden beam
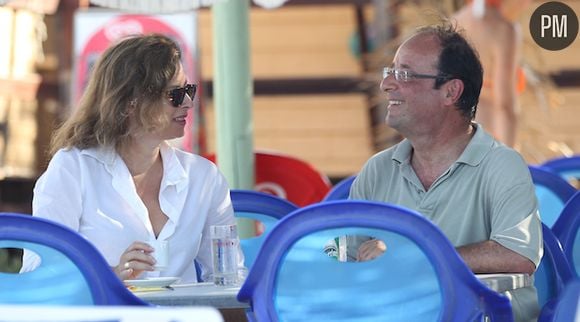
point(324, 2)
point(301, 86)
point(567, 78)
point(349, 85)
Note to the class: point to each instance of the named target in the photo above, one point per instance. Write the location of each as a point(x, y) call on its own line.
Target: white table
point(34, 313)
point(204, 294)
point(222, 297)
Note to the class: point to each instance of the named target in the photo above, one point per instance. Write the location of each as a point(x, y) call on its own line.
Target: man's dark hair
point(458, 59)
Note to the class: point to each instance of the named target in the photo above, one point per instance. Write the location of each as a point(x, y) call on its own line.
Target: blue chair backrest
point(340, 190)
point(554, 270)
point(568, 306)
point(71, 271)
point(567, 167)
point(552, 192)
point(419, 278)
point(567, 229)
point(265, 208)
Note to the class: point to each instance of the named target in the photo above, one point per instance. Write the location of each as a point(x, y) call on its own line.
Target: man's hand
point(370, 249)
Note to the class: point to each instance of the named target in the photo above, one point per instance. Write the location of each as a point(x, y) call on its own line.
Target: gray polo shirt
point(487, 194)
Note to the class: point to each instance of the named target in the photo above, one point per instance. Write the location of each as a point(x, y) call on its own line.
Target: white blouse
point(92, 192)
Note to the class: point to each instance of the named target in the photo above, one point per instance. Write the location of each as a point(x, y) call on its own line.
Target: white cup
point(161, 253)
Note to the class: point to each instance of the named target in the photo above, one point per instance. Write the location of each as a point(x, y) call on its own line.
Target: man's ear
point(452, 90)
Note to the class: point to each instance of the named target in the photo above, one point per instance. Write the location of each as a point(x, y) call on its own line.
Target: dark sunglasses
point(177, 95)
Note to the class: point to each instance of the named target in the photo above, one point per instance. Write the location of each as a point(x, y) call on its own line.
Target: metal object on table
point(505, 282)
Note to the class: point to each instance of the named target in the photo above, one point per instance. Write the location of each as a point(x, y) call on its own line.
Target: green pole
point(232, 93)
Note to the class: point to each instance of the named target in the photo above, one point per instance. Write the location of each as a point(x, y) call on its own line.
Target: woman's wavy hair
point(128, 82)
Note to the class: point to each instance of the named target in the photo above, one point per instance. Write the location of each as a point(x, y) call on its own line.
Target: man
point(477, 190)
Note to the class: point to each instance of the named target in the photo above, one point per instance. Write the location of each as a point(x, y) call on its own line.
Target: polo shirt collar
point(402, 153)
point(475, 151)
point(479, 146)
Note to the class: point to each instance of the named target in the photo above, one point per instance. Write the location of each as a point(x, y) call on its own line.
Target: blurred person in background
point(493, 28)
point(114, 178)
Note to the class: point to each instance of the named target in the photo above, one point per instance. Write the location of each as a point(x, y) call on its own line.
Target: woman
point(492, 26)
point(115, 179)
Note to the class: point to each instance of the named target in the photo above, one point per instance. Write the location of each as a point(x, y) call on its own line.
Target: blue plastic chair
point(340, 190)
point(567, 167)
point(567, 229)
point(553, 273)
point(71, 272)
point(419, 278)
point(568, 306)
point(552, 192)
point(265, 208)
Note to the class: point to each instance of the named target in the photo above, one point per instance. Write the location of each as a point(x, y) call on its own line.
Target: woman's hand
point(370, 249)
point(136, 259)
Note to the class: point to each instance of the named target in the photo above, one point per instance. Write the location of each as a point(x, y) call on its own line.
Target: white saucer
point(152, 282)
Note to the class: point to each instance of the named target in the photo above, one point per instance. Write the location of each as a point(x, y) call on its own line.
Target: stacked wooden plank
point(330, 131)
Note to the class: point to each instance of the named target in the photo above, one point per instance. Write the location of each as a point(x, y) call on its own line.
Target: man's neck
point(433, 155)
